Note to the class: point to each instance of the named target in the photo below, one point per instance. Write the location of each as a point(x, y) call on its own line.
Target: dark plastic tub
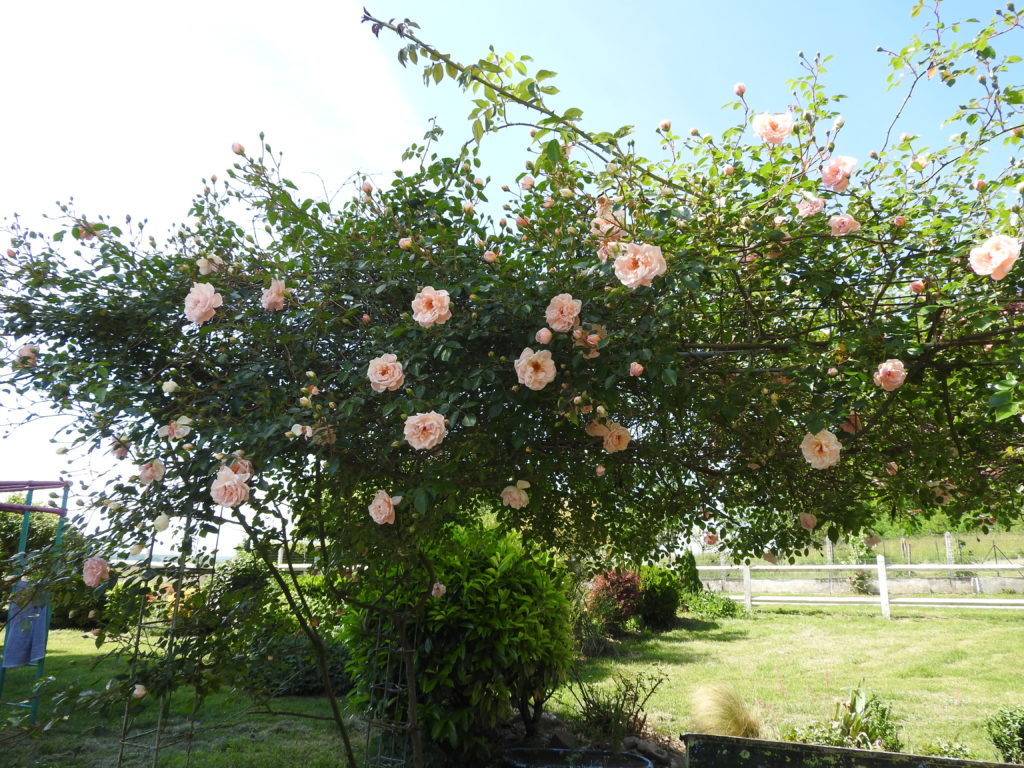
point(527, 757)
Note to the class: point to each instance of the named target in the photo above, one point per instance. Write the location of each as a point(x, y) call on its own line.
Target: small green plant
point(863, 722)
point(1006, 730)
point(717, 708)
point(710, 605)
point(660, 594)
point(944, 748)
point(611, 714)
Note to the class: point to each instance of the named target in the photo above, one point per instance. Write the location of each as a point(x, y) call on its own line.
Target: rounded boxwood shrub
point(498, 639)
point(660, 595)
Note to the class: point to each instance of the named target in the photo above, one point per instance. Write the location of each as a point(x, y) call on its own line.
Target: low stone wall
point(840, 585)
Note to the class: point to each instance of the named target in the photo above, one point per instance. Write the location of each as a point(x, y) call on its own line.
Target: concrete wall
point(840, 585)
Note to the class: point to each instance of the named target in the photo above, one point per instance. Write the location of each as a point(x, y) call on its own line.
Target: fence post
point(748, 598)
point(948, 538)
point(883, 588)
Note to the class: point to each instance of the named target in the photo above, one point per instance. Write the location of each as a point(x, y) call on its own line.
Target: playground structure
point(28, 622)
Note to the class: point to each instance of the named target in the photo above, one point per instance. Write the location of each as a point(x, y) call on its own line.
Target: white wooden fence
point(883, 599)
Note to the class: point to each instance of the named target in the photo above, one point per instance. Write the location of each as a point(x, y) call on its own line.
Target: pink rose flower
point(617, 439)
point(599, 470)
point(563, 312)
point(995, 256)
point(514, 497)
point(821, 450)
point(773, 129)
point(209, 265)
point(710, 539)
point(425, 430)
point(119, 448)
point(202, 302)
point(739, 89)
point(808, 521)
point(382, 508)
point(151, 471)
point(431, 307)
point(890, 375)
point(917, 286)
point(490, 257)
point(891, 467)
point(635, 369)
point(535, 369)
point(385, 373)
point(596, 429)
point(438, 590)
point(543, 336)
point(728, 169)
point(665, 125)
point(405, 243)
point(273, 297)
point(176, 429)
point(853, 424)
point(639, 264)
point(241, 466)
point(95, 571)
point(605, 223)
point(229, 488)
point(26, 356)
point(899, 221)
point(843, 224)
point(237, 148)
point(807, 208)
point(139, 691)
point(836, 172)
point(589, 341)
point(527, 182)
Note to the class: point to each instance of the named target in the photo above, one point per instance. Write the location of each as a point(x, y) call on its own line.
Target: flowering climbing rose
point(425, 430)
point(438, 589)
point(563, 312)
point(605, 223)
point(890, 375)
point(385, 373)
point(808, 521)
point(535, 369)
point(835, 174)
point(843, 224)
point(382, 508)
point(151, 471)
point(773, 129)
point(807, 208)
point(821, 450)
point(515, 497)
point(202, 302)
point(617, 438)
point(176, 429)
point(273, 297)
point(431, 307)
point(639, 264)
point(229, 488)
point(995, 256)
point(95, 571)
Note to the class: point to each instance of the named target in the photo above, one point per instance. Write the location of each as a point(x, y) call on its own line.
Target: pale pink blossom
point(773, 129)
point(237, 148)
point(161, 523)
point(597, 429)
point(176, 429)
point(438, 590)
point(95, 571)
point(605, 223)
point(468, 207)
point(301, 430)
point(425, 430)
point(995, 256)
point(431, 307)
point(241, 466)
point(589, 341)
point(151, 471)
point(405, 243)
point(273, 297)
point(890, 375)
point(843, 224)
point(202, 302)
point(836, 172)
point(229, 488)
point(535, 369)
point(490, 257)
point(209, 265)
point(139, 691)
point(807, 208)
point(891, 467)
point(599, 470)
point(26, 355)
point(665, 125)
point(728, 169)
point(635, 369)
point(549, 202)
point(382, 508)
point(119, 448)
point(527, 182)
point(639, 265)
point(853, 423)
point(617, 439)
point(515, 497)
point(385, 373)
point(808, 521)
point(821, 450)
point(899, 221)
point(739, 89)
point(543, 336)
point(917, 286)
point(563, 312)
point(710, 539)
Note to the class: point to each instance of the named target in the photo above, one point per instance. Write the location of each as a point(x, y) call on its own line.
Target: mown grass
point(944, 671)
point(227, 735)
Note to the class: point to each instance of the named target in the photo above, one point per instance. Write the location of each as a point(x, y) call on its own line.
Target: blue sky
point(127, 106)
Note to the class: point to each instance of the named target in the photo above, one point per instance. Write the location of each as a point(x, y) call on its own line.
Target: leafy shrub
point(1006, 730)
point(589, 627)
point(284, 665)
point(711, 605)
point(611, 714)
point(498, 638)
point(861, 722)
point(944, 748)
point(686, 572)
point(615, 597)
point(718, 709)
point(660, 595)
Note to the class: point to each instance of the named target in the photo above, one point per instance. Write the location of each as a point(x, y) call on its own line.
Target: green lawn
point(943, 671)
point(228, 736)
